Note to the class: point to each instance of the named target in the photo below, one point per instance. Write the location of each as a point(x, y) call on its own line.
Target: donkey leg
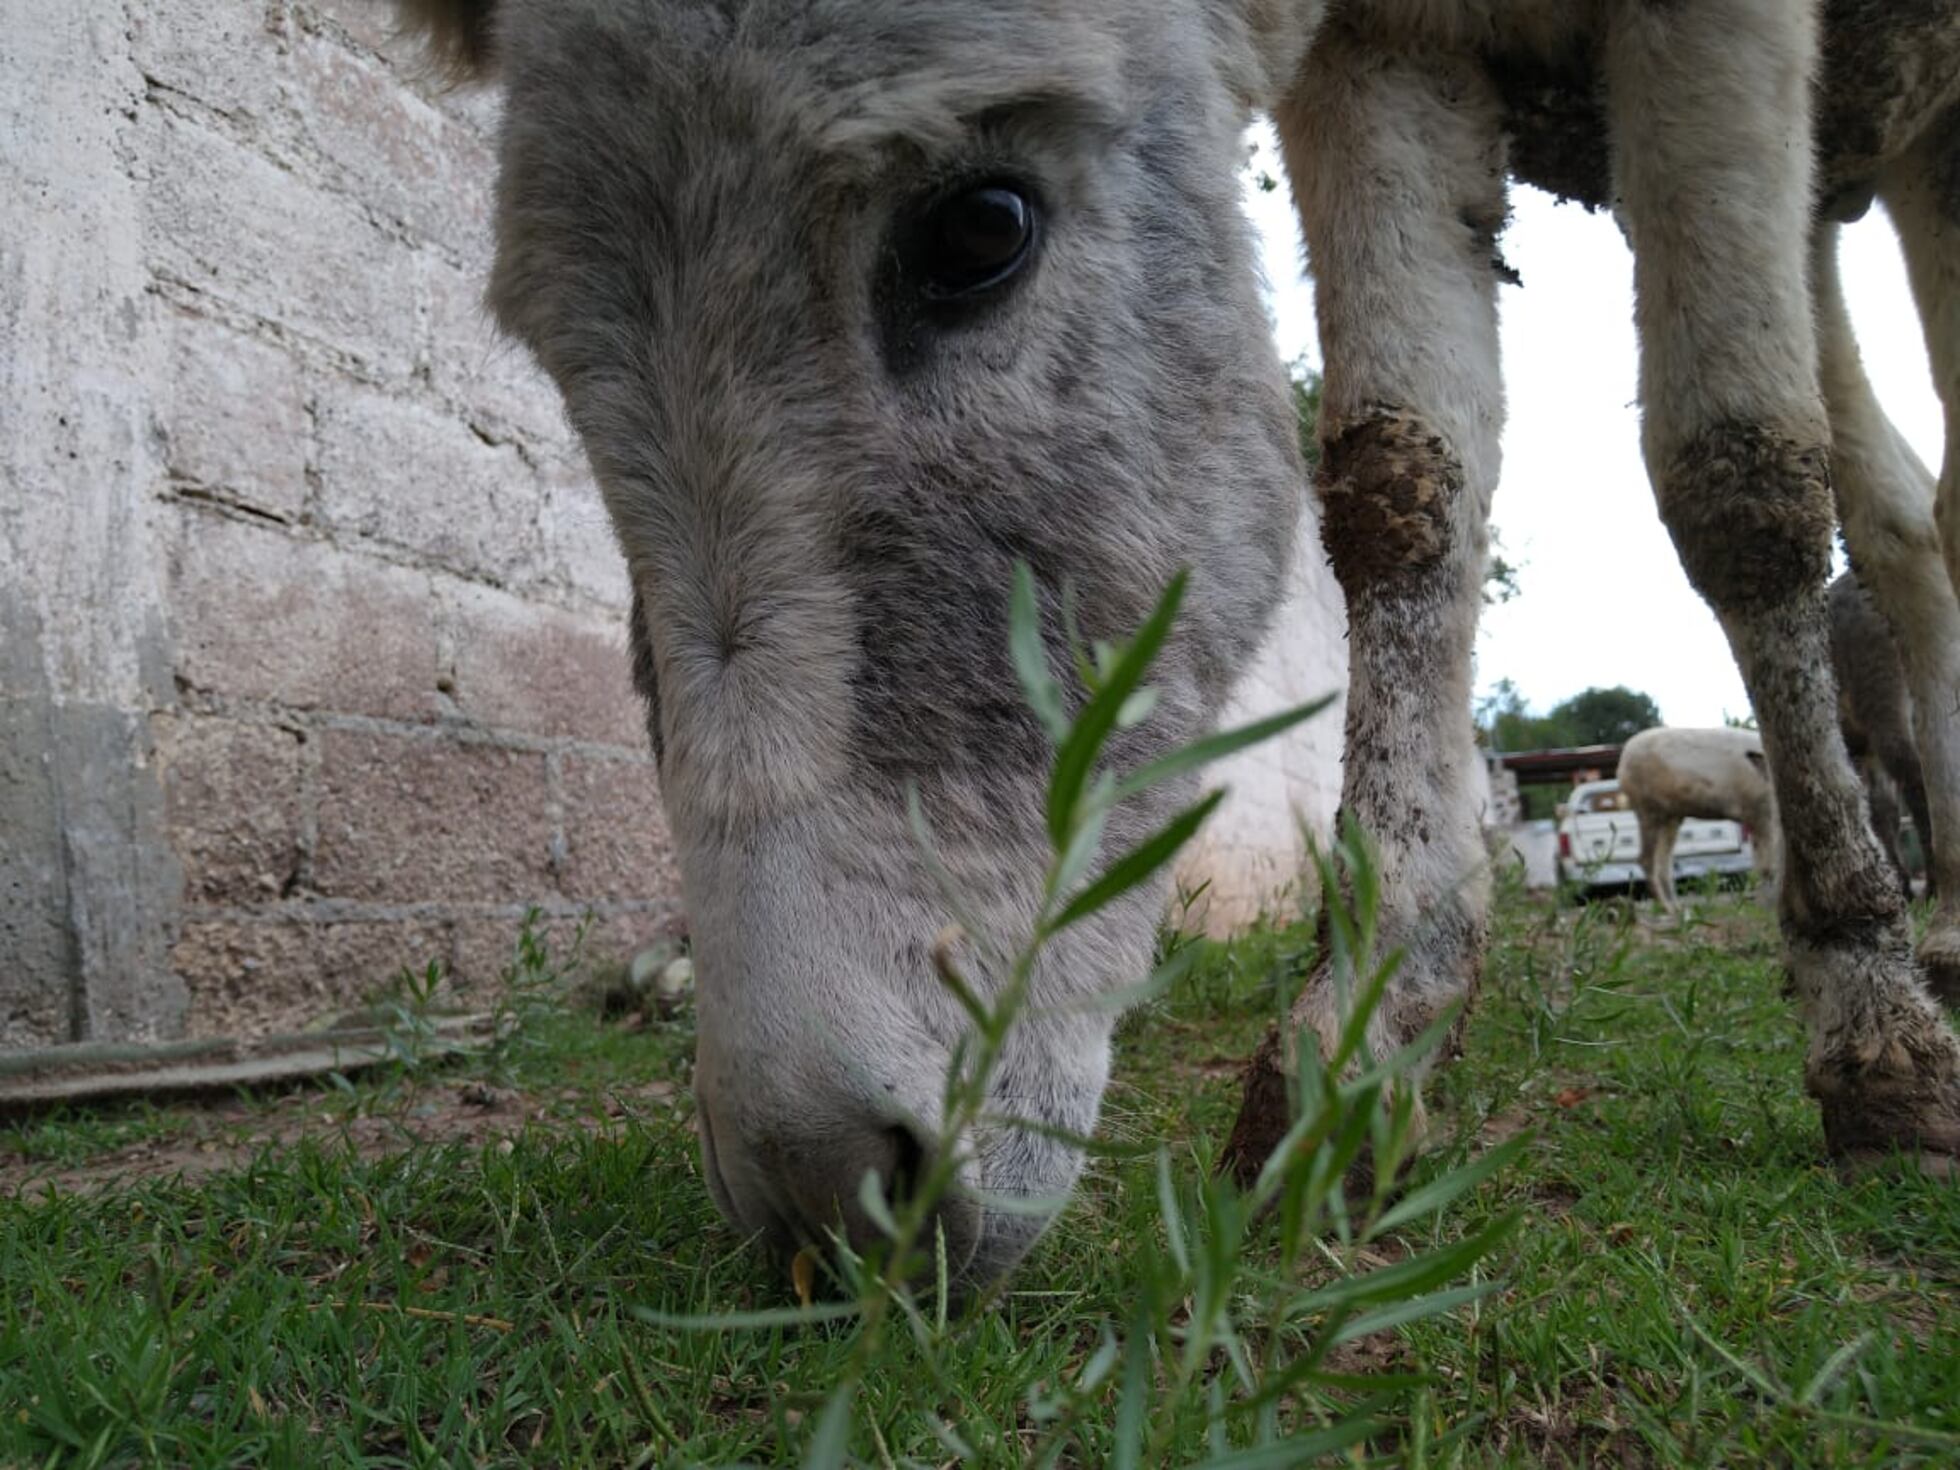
point(1885, 501)
point(1398, 171)
point(1921, 190)
point(1702, 102)
point(1882, 795)
point(1650, 836)
point(1922, 195)
point(1660, 876)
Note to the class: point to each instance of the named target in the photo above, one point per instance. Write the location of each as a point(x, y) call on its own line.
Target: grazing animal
point(1669, 775)
point(1875, 712)
point(853, 303)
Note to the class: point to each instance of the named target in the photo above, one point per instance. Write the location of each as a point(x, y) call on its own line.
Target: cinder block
point(411, 820)
point(262, 615)
point(538, 669)
point(232, 225)
point(617, 844)
point(369, 25)
point(285, 973)
point(485, 947)
point(234, 416)
point(469, 359)
point(231, 806)
point(226, 54)
point(580, 552)
point(389, 148)
point(401, 472)
point(363, 959)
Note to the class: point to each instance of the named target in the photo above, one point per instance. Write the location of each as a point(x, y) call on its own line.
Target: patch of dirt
point(1377, 1353)
point(1503, 1127)
point(1557, 1439)
point(1555, 1198)
point(223, 1136)
point(1912, 1315)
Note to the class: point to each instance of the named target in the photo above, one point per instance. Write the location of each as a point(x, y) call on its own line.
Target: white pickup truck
point(1599, 842)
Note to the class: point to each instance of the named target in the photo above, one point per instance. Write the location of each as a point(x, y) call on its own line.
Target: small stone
point(673, 986)
point(677, 979)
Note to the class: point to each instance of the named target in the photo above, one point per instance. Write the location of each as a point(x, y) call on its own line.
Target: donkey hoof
point(1877, 1128)
point(1866, 1163)
point(1264, 1117)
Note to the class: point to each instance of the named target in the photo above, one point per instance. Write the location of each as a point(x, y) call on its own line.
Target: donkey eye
point(975, 240)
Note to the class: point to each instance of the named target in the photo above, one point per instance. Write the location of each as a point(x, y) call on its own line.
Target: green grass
point(1690, 1285)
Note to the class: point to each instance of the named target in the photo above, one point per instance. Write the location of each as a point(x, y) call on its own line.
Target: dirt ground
point(191, 1140)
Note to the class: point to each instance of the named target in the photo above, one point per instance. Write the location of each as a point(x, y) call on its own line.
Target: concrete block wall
point(312, 656)
point(311, 627)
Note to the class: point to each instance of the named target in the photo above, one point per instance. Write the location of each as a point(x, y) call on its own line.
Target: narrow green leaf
point(1407, 1278)
point(1086, 737)
point(1132, 1399)
point(832, 1436)
point(1136, 709)
point(1030, 653)
point(1420, 1309)
point(1139, 864)
point(871, 1199)
point(1085, 843)
point(1834, 1365)
point(747, 1321)
point(1437, 1193)
point(1126, 997)
point(1167, 1206)
point(1296, 1449)
point(1217, 746)
point(1100, 1362)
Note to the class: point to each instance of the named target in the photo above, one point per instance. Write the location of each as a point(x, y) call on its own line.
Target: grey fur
point(1875, 712)
point(821, 488)
point(821, 480)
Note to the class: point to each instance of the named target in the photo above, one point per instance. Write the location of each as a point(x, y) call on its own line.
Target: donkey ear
point(1263, 44)
point(459, 34)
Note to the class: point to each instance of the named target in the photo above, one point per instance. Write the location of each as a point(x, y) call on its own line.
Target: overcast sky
point(1603, 599)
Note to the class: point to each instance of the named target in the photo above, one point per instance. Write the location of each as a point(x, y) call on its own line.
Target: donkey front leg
point(1657, 839)
point(1398, 170)
point(1921, 190)
point(1702, 102)
point(1885, 499)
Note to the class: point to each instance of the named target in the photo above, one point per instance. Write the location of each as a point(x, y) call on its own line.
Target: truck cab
point(1599, 842)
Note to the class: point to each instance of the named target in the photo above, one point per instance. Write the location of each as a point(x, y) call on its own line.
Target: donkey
point(1875, 712)
point(1399, 130)
point(853, 304)
point(1669, 774)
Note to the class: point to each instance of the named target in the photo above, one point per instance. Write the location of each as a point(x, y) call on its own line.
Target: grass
point(1690, 1285)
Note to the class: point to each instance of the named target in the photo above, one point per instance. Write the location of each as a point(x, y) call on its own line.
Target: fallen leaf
point(803, 1274)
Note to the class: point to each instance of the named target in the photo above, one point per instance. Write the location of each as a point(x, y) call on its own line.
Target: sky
point(1602, 598)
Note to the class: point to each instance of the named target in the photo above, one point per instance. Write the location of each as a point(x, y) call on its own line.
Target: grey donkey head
point(855, 303)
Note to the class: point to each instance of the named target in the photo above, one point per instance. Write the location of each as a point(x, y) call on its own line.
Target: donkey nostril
point(908, 1164)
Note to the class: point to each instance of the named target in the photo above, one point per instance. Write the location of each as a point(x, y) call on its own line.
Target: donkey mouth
point(760, 1204)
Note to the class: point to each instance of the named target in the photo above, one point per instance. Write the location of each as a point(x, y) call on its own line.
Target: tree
point(1306, 403)
point(1593, 717)
point(1606, 716)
